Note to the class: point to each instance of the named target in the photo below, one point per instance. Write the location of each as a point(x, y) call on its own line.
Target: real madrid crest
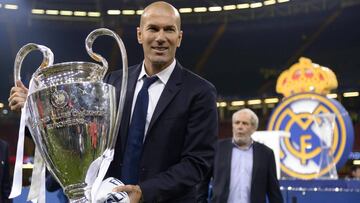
point(305, 86)
point(59, 98)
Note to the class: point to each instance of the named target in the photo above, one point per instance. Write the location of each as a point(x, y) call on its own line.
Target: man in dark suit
point(179, 139)
point(244, 170)
point(178, 147)
point(5, 185)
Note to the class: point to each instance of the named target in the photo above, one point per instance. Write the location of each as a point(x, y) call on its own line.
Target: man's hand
point(134, 192)
point(17, 96)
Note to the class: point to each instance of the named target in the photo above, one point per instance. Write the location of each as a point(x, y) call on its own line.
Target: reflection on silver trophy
point(72, 115)
point(324, 125)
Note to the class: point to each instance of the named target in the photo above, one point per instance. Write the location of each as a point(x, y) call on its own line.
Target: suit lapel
point(132, 79)
point(227, 160)
point(172, 87)
point(256, 159)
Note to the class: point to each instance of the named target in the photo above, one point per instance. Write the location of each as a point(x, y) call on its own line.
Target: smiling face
point(160, 35)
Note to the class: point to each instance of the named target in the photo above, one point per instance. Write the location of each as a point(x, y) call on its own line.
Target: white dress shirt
point(240, 176)
point(154, 90)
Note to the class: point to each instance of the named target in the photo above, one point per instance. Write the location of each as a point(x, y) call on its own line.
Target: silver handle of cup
point(48, 58)
point(97, 57)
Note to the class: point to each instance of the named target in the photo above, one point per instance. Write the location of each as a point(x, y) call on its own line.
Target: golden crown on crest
point(306, 76)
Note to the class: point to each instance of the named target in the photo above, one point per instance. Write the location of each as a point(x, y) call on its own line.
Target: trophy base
point(81, 200)
point(327, 167)
point(78, 193)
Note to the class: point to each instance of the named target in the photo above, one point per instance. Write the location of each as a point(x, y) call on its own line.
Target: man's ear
point(180, 38)
point(139, 35)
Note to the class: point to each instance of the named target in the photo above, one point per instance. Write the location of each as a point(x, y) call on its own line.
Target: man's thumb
point(20, 84)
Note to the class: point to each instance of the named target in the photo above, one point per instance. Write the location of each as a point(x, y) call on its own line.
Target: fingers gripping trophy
point(70, 114)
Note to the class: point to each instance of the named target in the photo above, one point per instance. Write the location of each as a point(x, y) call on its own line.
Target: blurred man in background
point(244, 170)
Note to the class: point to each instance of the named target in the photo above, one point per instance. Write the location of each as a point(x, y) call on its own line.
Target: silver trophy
point(324, 125)
point(71, 114)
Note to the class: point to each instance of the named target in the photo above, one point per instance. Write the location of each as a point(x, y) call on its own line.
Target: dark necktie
point(133, 149)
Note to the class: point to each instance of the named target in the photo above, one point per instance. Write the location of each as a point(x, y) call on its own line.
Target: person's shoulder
point(117, 74)
point(192, 77)
point(263, 147)
point(222, 146)
point(224, 141)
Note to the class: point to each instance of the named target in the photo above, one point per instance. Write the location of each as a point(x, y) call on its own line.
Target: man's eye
point(170, 30)
point(152, 29)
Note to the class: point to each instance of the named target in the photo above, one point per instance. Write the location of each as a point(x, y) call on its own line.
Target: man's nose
point(160, 37)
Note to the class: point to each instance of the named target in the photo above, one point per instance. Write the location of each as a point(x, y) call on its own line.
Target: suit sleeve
point(197, 154)
point(273, 187)
point(203, 189)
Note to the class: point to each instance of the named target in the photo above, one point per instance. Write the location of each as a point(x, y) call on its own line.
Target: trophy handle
point(97, 57)
point(48, 58)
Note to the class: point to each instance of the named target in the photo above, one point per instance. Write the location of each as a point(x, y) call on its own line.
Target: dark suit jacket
point(263, 183)
point(5, 185)
point(179, 147)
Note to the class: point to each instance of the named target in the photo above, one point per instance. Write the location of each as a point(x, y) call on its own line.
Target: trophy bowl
point(72, 126)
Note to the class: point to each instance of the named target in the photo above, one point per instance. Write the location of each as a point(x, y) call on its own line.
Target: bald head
point(161, 8)
point(160, 35)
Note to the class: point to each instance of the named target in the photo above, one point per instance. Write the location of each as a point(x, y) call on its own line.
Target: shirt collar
point(243, 148)
point(163, 75)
